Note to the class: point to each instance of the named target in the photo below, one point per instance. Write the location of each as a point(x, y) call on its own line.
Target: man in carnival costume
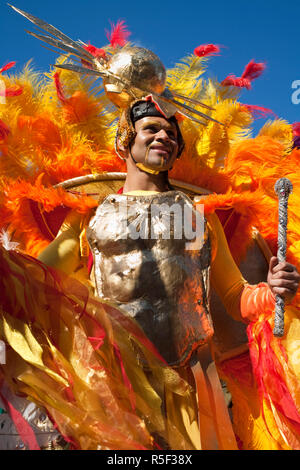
point(134, 369)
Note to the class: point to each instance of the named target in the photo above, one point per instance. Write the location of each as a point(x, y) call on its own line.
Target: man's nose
point(163, 135)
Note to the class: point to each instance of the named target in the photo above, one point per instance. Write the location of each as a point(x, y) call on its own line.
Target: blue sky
point(263, 30)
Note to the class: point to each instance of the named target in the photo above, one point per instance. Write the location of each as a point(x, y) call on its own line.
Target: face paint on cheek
point(162, 160)
point(143, 166)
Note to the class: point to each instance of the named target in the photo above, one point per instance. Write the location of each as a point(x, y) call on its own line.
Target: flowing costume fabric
point(74, 356)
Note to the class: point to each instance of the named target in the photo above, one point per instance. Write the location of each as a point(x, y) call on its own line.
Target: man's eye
point(171, 135)
point(151, 129)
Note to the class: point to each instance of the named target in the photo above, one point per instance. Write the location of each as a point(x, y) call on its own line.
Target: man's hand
point(283, 279)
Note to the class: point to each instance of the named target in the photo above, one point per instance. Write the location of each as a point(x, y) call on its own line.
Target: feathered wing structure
point(54, 132)
point(59, 126)
point(259, 381)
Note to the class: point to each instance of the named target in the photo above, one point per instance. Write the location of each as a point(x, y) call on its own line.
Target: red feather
point(232, 80)
point(59, 88)
point(11, 91)
point(259, 111)
point(95, 51)
point(7, 66)
point(252, 70)
point(206, 49)
point(118, 35)
point(296, 129)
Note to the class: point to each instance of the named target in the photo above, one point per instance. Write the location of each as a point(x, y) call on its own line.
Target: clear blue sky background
point(263, 30)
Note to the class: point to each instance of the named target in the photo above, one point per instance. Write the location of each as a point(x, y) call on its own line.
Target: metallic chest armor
point(148, 263)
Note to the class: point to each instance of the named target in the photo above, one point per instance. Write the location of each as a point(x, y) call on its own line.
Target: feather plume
point(59, 88)
point(79, 108)
point(252, 70)
point(5, 240)
point(239, 82)
point(95, 51)
point(7, 66)
point(296, 129)
point(259, 111)
point(118, 35)
point(98, 53)
point(279, 130)
point(185, 77)
point(206, 49)
point(237, 127)
point(11, 91)
point(19, 215)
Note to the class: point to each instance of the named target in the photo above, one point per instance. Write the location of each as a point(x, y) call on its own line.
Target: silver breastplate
point(151, 258)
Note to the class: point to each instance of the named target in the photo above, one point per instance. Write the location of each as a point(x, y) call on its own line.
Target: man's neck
point(137, 180)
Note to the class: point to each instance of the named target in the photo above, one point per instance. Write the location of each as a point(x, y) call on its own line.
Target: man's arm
point(243, 301)
point(64, 251)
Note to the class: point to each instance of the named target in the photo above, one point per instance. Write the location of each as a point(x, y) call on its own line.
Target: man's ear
point(124, 137)
point(121, 149)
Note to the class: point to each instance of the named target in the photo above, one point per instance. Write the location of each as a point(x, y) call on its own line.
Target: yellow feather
point(279, 130)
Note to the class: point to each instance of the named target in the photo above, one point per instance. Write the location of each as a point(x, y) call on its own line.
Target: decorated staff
point(283, 188)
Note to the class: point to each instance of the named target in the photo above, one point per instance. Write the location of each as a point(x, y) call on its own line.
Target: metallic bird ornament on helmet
point(129, 74)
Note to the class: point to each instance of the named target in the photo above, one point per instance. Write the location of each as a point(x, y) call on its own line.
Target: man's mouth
point(161, 149)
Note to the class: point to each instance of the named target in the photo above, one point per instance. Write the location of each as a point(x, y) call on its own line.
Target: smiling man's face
point(156, 143)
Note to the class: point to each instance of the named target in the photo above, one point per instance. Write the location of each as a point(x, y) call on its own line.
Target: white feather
point(6, 241)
